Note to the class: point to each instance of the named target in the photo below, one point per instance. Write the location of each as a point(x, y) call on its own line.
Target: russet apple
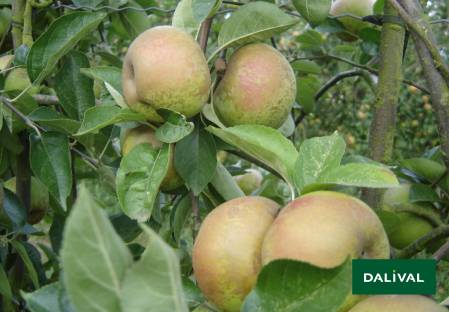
point(398, 303)
point(250, 181)
point(258, 88)
point(144, 133)
point(323, 228)
point(356, 7)
point(226, 254)
point(165, 67)
point(39, 199)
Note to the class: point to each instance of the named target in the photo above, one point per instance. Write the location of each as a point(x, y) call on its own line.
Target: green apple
point(18, 79)
point(6, 62)
point(145, 133)
point(250, 181)
point(97, 89)
point(398, 303)
point(39, 199)
point(324, 228)
point(5, 20)
point(165, 68)
point(258, 88)
point(226, 254)
point(412, 225)
point(356, 7)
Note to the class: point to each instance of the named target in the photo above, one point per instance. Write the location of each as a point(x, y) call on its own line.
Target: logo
point(393, 277)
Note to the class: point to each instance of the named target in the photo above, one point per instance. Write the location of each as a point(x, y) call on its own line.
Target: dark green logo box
point(393, 277)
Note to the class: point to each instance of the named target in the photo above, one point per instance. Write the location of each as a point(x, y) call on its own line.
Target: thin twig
point(439, 179)
point(5, 35)
point(204, 33)
point(196, 216)
point(254, 161)
point(53, 100)
point(440, 253)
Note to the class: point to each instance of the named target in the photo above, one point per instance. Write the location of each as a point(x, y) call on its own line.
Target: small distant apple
point(250, 181)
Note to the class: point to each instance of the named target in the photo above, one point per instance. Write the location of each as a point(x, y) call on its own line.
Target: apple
point(97, 89)
point(144, 133)
point(226, 254)
point(258, 88)
point(165, 68)
point(39, 199)
point(414, 123)
point(324, 228)
point(413, 89)
point(250, 181)
point(17, 79)
point(5, 20)
point(398, 303)
point(6, 62)
point(427, 107)
point(356, 7)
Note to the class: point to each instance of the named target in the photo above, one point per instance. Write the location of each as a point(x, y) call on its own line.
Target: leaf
point(51, 163)
point(20, 56)
point(314, 12)
point(25, 104)
point(99, 117)
point(28, 264)
point(196, 158)
point(111, 75)
point(225, 184)
point(5, 288)
point(431, 170)
point(317, 157)
point(13, 208)
point(91, 3)
point(126, 227)
point(357, 159)
point(184, 18)
point(209, 113)
point(378, 7)
point(75, 91)
point(344, 48)
point(288, 128)
point(51, 298)
point(294, 286)
point(107, 180)
point(369, 34)
point(118, 98)
point(94, 257)
point(192, 293)
point(265, 144)
point(354, 175)
point(56, 231)
point(390, 220)
point(181, 215)
point(10, 141)
point(308, 39)
point(175, 127)
point(154, 282)
point(141, 173)
point(305, 96)
point(253, 22)
point(134, 22)
point(421, 192)
point(112, 59)
point(369, 48)
point(331, 25)
point(57, 40)
point(306, 67)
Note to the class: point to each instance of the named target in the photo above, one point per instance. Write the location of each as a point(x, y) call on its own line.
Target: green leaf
point(317, 157)
point(192, 293)
point(354, 175)
point(153, 284)
point(288, 128)
point(25, 104)
point(181, 215)
point(421, 192)
point(112, 59)
point(263, 143)
point(428, 169)
point(51, 298)
point(196, 158)
point(107, 180)
point(184, 18)
point(94, 257)
point(390, 220)
point(378, 7)
point(225, 184)
point(10, 141)
point(57, 40)
point(331, 25)
point(134, 22)
point(13, 208)
point(308, 39)
point(175, 127)
point(306, 67)
point(99, 117)
point(74, 90)
point(314, 12)
point(127, 228)
point(294, 286)
point(51, 163)
point(141, 173)
point(344, 48)
point(56, 230)
point(369, 34)
point(305, 96)
point(369, 48)
point(20, 56)
point(92, 3)
point(253, 22)
point(28, 264)
point(357, 159)
point(209, 113)
point(5, 288)
point(111, 75)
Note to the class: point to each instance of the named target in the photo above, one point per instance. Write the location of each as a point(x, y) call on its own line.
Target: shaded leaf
point(175, 127)
point(390, 220)
point(305, 96)
point(28, 264)
point(13, 208)
point(314, 12)
point(111, 75)
point(224, 184)
point(181, 215)
point(51, 298)
point(306, 67)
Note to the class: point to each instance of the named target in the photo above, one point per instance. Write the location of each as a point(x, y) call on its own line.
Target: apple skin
point(5, 20)
point(250, 181)
point(258, 88)
point(39, 199)
point(18, 79)
point(226, 254)
point(6, 62)
point(145, 133)
point(165, 68)
point(324, 228)
point(357, 7)
point(398, 303)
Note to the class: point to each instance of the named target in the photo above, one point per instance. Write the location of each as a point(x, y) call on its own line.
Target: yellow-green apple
point(6, 62)
point(412, 225)
point(356, 7)
point(39, 199)
point(324, 228)
point(165, 68)
point(398, 303)
point(18, 79)
point(250, 181)
point(258, 88)
point(5, 20)
point(226, 254)
point(144, 133)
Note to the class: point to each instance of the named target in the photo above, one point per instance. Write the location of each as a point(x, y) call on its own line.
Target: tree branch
point(53, 100)
point(204, 34)
point(196, 216)
point(440, 253)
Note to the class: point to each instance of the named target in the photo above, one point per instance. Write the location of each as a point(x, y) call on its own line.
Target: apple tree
point(219, 155)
